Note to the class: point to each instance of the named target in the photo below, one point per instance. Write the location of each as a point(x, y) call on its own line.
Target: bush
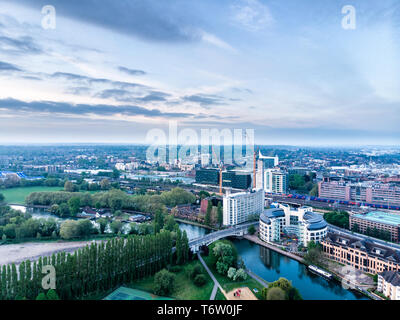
point(41, 296)
point(175, 269)
point(276, 294)
point(200, 280)
point(52, 295)
point(164, 283)
point(196, 270)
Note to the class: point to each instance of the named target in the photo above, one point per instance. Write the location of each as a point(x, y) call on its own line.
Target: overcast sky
point(113, 70)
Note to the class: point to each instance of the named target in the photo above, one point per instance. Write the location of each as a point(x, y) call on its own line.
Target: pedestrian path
point(257, 278)
point(216, 283)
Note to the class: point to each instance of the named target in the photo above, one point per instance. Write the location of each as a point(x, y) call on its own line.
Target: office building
point(275, 181)
point(302, 223)
point(363, 255)
point(366, 192)
point(207, 176)
point(379, 220)
point(239, 207)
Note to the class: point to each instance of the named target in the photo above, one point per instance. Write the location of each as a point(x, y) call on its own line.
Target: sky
point(112, 71)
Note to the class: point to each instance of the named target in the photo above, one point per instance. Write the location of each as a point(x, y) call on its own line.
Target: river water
point(271, 265)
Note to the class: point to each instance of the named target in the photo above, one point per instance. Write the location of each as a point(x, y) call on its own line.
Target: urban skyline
point(291, 72)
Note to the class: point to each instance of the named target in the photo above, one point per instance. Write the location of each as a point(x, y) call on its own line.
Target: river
point(271, 265)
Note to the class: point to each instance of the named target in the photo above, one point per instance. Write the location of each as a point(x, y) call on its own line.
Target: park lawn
point(185, 289)
point(228, 285)
point(18, 195)
point(220, 295)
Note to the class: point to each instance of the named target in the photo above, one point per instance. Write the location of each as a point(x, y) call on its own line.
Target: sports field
point(18, 195)
point(124, 293)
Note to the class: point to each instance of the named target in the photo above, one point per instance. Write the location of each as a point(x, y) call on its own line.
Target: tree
point(41, 296)
point(102, 225)
point(220, 216)
point(116, 173)
point(169, 223)
point(200, 280)
point(1, 197)
point(69, 229)
point(224, 256)
point(276, 293)
point(207, 219)
point(231, 273)
point(52, 295)
point(116, 226)
point(163, 283)
point(251, 230)
point(85, 228)
point(68, 186)
point(105, 184)
point(74, 204)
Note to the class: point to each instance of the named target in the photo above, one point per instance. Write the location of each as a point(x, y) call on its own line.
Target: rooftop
point(380, 217)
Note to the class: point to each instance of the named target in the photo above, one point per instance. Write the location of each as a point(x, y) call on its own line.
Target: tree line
point(91, 270)
point(67, 204)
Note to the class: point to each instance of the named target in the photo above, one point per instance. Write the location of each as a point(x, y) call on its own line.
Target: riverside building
point(360, 254)
point(302, 222)
point(240, 207)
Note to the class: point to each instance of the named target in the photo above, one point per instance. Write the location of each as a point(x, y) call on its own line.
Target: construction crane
point(220, 172)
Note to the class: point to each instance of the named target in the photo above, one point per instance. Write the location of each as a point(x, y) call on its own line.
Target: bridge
point(234, 231)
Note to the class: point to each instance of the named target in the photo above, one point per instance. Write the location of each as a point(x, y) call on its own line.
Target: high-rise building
point(239, 207)
point(275, 181)
point(264, 166)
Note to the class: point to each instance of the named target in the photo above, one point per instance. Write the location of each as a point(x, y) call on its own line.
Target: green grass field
point(228, 285)
point(184, 287)
point(18, 195)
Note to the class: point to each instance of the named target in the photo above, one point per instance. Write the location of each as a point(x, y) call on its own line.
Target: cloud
point(214, 40)
point(251, 15)
point(18, 46)
point(64, 108)
point(152, 20)
point(132, 72)
point(205, 100)
point(91, 80)
point(5, 66)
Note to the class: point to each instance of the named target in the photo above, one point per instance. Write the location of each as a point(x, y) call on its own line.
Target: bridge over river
point(234, 231)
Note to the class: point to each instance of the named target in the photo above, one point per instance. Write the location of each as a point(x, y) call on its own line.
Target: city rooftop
point(380, 217)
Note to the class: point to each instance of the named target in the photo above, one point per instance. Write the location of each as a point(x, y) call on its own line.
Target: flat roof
point(380, 217)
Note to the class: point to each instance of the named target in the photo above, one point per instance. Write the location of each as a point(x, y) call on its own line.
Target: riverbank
point(255, 239)
point(337, 276)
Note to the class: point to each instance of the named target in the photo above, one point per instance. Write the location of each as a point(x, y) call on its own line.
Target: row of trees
point(373, 232)
point(62, 204)
point(90, 270)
